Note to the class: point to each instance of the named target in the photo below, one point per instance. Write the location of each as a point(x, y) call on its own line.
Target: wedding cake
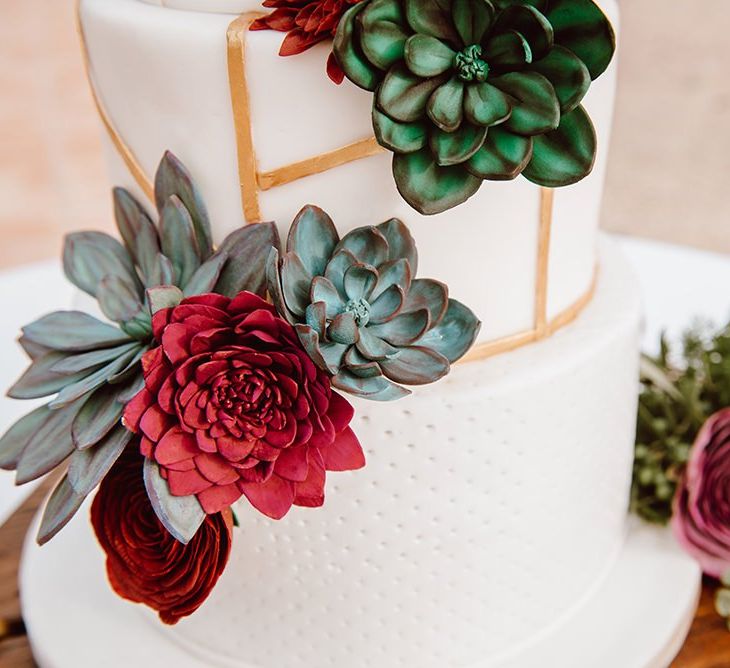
point(492, 503)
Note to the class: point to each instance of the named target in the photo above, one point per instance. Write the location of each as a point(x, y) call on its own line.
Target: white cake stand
point(637, 617)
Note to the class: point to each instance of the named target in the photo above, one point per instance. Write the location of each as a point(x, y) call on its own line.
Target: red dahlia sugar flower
point(145, 564)
point(306, 22)
point(233, 405)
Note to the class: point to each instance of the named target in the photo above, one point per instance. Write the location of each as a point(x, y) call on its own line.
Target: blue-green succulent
point(90, 367)
point(360, 311)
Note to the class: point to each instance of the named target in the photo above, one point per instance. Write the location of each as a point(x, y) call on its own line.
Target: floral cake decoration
point(215, 375)
point(465, 90)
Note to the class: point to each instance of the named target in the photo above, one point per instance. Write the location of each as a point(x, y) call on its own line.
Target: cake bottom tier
point(492, 505)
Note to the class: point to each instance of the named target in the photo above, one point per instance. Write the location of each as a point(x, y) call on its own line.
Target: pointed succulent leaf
point(40, 379)
point(313, 238)
point(360, 365)
point(583, 28)
point(373, 347)
point(73, 331)
point(322, 290)
point(178, 239)
point(49, 446)
point(486, 105)
point(446, 105)
point(404, 329)
point(375, 388)
point(360, 281)
point(387, 305)
point(62, 505)
point(118, 300)
point(503, 156)
point(455, 334)
point(454, 148)
point(163, 273)
point(508, 51)
point(393, 273)
point(337, 267)
point(400, 242)
point(17, 437)
point(416, 366)
point(91, 360)
point(356, 66)
point(472, 19)
point(88, 257)
point(536, 108)
point(32, 349)
point(568, 75)
point(430, 188)
point(180, 515)
point(427, 56)
point(531, 24)
point(247, 249)
point(425, 293)
point(131, 389)
point(316, 317)
point(383, 33)
point(296, 283)
point(367, 244)
point(98, 415)
point(311, 342)
point(206, 276)
point(276, 291)
point(403, 96)
point(173, 178)
point(432, 18)
point(399, 137)
point(130, 370)
point(566, 155)
point(87, 467)
point(137, 231)
point(74, 391)
point(343, 329)
point(162, 297)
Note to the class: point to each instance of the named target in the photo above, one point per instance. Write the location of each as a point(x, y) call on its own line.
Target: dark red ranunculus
point(306, 22)
point(233, 406)
point(145, 564)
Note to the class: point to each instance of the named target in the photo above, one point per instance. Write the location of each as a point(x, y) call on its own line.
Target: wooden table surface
point(708, 645)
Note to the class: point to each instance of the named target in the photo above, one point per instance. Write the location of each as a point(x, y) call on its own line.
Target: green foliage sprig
point(680, 388)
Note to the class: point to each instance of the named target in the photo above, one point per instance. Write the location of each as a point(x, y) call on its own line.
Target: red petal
point(136, 408)
point(175, 341)
point(217, 498)
point(146, 447)
point(175, 446)
point(159, 322)
point(334, 71)
point(345, 453)
point(185, 483)
point(292, 464)
point(154, 423)
point(234, 449)
point(340, 412)
point(245, 302)
point(273, 498)
point(310, 493)
point(208, 299)
point(216, 469)
point(205, 442)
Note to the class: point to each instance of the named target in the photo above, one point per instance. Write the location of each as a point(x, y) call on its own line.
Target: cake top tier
point(213, 6)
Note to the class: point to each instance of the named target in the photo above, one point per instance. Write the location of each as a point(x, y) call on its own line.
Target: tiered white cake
point(494, 501)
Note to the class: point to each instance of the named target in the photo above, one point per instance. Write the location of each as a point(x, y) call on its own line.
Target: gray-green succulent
point(359, 310)
point(93, 367)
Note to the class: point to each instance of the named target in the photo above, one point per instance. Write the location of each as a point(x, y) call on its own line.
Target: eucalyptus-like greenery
point(359, 310)
point(90, 367)
point(470, 90)
point(680, 389)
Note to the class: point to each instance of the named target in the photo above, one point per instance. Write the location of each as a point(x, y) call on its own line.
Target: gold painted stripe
point(125, 152)
point(505, 344)
point(365, 148)
point(247, 170)
point(547, 198)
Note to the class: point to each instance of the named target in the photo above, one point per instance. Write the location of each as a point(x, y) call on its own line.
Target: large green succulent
point(468, 90)
point(359, 310)
point(93, 367)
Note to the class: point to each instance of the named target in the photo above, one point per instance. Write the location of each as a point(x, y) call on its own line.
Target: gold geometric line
point(543, 260)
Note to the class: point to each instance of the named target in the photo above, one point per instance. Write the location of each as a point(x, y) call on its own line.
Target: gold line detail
point(365, 148)
point(547, 198)
point(505, 344)
point(125, 152)
point(247, 169)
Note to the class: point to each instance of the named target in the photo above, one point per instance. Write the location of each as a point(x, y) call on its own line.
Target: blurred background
point(669, 174)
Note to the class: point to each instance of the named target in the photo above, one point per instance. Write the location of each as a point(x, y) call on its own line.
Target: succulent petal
point(375, 388)
point(360, 365)
point(400, 242)
point(531, 24)
point(343, 329)
point(536, 109)
point(472, 19)
point(454, 148)
point(427, 56)
point(349, 54)
point(455, 334)
point(373, 347)
point(486, 105)
point(415, 365)
point(367, 244)
point(404, 95)
point(399, 137)
point(384, 32)
point(504, 155)
point(432, 18)
point(445, 106)
point(316, 317)
point(395, 272)
point(404, 329)
point(387, 305)
point(568, 74)
point(322, 290)
point(313, 238)
point(508, 51)
point(295, 283)
point(360, 281)
point(428, 294)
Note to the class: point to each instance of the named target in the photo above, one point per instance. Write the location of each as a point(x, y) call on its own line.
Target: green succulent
point(94, 367)
point(359, 310)
point(468, 90)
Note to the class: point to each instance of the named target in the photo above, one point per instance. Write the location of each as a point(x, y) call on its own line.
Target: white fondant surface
point(163, 77)
point(492, 506)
